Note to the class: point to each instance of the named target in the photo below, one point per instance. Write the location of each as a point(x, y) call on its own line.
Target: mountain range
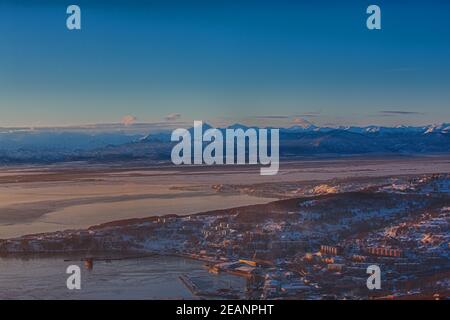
point(301, 140)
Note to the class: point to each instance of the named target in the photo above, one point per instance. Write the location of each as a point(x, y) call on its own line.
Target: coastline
point(70, 198)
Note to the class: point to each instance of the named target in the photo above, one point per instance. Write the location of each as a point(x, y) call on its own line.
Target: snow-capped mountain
point(439, 128)
point(302, 125)
point(305, 139)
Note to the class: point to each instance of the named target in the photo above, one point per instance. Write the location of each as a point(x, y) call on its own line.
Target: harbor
point(151, 277)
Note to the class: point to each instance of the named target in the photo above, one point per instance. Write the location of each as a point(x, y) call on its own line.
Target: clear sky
point(224, 61)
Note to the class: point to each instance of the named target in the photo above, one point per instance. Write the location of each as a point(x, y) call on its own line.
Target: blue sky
point(268, 62)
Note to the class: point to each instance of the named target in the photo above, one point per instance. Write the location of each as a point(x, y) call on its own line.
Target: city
point(314, 247)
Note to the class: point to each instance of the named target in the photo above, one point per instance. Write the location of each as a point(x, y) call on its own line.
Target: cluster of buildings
point(308, 248)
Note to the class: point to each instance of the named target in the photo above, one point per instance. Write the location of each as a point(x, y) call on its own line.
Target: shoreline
point(81, 202)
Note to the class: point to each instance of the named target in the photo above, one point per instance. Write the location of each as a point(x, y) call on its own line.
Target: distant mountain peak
point(438, 128)
point(300, 123)
point(238, 126)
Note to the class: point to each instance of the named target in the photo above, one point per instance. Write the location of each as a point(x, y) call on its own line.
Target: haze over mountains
point(301, 140)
